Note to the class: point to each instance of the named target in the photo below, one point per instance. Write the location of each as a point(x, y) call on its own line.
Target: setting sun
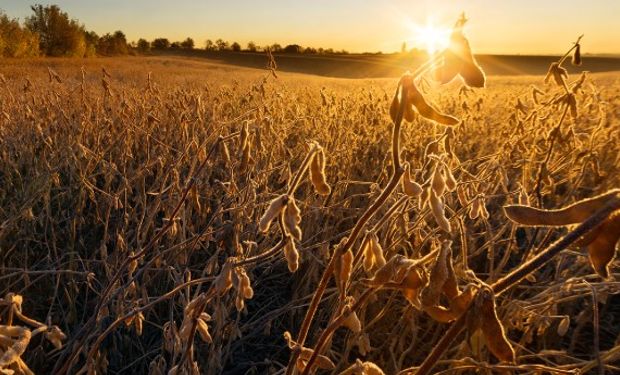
point(430, 37)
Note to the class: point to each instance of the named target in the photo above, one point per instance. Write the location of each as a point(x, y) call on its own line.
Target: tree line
point(51, 32)
point(221, 45)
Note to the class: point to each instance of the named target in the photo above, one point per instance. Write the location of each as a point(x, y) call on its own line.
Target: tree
point(160, 43)
point(252, 47)
point(175, 45)
point(209, 45)
point(293, 48)
point(92, 40)
point(275, 48)
point(143, 45)
point(16, 41)
point(221, 44)
point(113, 44)
point(58, 35)
point(188, 43)
point(119, 43)
point(403, 48)
point(235, 47)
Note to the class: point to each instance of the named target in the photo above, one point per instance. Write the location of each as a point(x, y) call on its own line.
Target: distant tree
point(310, 51)
point(252, 47)
point(275, 48)
point(403, 48)
point(293, 48)
point(16, 41)
point(92, 40)
point(58, 34)
point(235, 47)
point(120, 46)
point(160, 43)
point(175, 45)
point(113, 44)
point(320, 50)
point(143, 45)
point(188, 43)
point(209, 45)
point(328, 51)
point(221, 44)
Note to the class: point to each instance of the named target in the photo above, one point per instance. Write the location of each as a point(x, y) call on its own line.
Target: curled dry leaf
point(450, 286)
point(55, 336)
point(389, 271)
point(558, 73)
point(351, 320)
point(459, 60)
point(408, 92)
point(602, 249)
point(322, 362)
point(438, 276)
point(483, 316)
point(415, 278)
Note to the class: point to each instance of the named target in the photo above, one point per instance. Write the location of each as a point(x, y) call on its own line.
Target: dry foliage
point(175, 217)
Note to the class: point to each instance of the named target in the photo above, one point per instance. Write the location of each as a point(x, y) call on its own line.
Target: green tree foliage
point(16, 41)
point(58, 34)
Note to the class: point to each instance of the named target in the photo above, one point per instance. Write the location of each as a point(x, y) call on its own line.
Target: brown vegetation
point(173, 216)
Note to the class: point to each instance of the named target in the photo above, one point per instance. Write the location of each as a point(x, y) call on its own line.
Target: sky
point(495, 26)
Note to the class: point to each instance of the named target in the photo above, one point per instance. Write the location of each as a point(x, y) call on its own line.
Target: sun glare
point(430, 37)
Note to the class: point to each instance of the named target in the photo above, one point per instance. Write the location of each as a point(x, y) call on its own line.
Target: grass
point(130, 217)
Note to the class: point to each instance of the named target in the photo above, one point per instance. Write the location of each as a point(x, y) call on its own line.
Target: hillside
point(389, 65)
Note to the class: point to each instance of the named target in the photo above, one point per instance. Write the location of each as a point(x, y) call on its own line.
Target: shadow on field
point(390, 65)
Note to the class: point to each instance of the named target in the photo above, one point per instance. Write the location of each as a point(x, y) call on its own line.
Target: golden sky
point(496, 26)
